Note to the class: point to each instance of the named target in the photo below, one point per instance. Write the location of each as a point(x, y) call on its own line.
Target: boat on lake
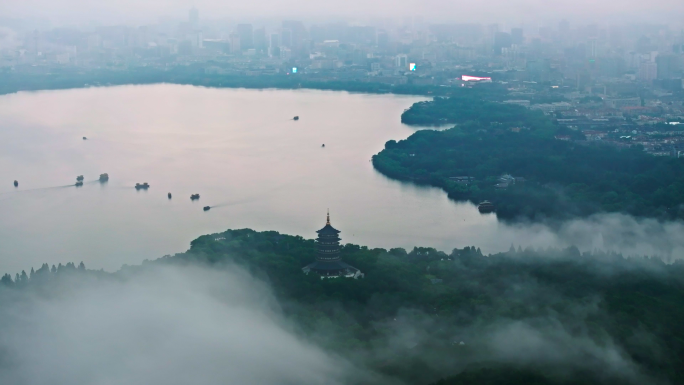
point(78, 183)
point(485, 207)
point(169, 195)
point(295, 118)
point(84, 138)
point(143, 186)
point(323, 145)
point(194, 197)
point(206, 208)
point(104, 177)
point(79, 178)
point(16, 184)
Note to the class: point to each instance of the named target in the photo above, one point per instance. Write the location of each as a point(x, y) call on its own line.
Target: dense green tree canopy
point(561, 178)
point(422, 315)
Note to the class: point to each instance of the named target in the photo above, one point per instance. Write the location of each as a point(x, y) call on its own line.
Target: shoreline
point(14, 83)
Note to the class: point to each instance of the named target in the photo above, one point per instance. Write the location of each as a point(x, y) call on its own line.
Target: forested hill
point(556, 179)
point(520, 317)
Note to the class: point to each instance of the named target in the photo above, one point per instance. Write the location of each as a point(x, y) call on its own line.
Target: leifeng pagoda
point(328, 263)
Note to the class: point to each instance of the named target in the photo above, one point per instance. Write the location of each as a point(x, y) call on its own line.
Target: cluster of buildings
point(655, 124)
point(623, 81)
point(654, 142)
point(587, 58)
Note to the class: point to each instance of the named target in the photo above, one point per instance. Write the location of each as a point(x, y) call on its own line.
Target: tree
point(6, 280)
point(563, 178)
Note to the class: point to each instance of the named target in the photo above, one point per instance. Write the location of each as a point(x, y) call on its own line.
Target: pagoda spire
point(328, 263)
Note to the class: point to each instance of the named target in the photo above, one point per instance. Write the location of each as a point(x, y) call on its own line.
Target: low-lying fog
point(163, 326)
point(194, 325)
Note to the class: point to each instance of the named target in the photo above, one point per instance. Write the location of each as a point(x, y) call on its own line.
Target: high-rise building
point(383, 39)
point(234, 39)
point(260, 42)
point(668, 66)
point(644, 45)
point(517, 36)
point(648, 71)
point(285, 53)
point(197, 39)
point(274, 45)
point(592, 30)
point(401, 61)
point(286, 37)
point(36, 44)
point(363, 35)
point(501, 40)
point(583, 80)
point(185, 48)
point(615, 36)
point(492, 30)
point(317, 33)
point(94, 41)
point(336, 31)
point(274, 41)
point(538, 70)
point(297, 33)
point(545, 32)
point(246, 36)
point(193, 18)
point(592, 48)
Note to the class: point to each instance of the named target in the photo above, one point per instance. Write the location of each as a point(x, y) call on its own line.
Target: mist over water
point(256, 168)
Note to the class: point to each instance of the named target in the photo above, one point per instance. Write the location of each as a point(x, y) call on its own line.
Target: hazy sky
point(459, 10)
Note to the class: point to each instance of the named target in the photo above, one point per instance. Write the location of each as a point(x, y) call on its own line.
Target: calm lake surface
point(239, 149)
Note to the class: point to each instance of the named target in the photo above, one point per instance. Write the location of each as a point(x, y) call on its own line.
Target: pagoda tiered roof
point(328, 263)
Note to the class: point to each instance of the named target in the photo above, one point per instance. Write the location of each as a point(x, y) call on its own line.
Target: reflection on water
point(239, 149)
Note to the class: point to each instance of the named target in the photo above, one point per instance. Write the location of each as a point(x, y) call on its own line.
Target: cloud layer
point(164, 326)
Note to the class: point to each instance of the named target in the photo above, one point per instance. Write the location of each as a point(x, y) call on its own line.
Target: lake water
point(239, 149)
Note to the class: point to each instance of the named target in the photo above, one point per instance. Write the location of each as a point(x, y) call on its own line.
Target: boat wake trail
point(255, 198)
point(97, 181)
point(38, 189)
point(235, 203)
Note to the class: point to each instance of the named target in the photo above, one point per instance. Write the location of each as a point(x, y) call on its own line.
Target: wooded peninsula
point(513, 157)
